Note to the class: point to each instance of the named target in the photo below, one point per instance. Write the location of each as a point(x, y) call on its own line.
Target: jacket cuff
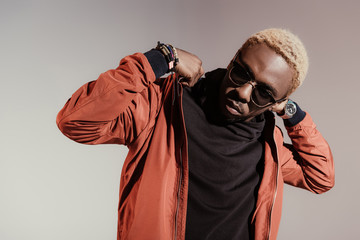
point(157, 62)
point(298, 117)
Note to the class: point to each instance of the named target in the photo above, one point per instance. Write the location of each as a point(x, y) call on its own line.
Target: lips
point(233, 108)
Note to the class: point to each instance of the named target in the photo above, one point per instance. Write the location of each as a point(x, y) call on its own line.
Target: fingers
point(192, 80)
point(279, 107)
point(197, 76)
point(189, 67)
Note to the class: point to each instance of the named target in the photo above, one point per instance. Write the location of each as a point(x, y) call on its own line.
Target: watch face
point(290, 109)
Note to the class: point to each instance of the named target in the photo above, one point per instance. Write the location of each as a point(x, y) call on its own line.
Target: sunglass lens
point(260, 96)
point(239, 74)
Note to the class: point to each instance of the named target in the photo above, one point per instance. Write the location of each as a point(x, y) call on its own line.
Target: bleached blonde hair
point(289, 46)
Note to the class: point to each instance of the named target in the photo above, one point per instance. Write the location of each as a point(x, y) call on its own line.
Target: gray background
point(54, 188)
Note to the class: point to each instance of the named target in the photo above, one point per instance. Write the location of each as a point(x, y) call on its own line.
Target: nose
point(244, 92)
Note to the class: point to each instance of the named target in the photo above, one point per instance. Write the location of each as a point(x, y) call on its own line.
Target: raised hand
point(189, 67)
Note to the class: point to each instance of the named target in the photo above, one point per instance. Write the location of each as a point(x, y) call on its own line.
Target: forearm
point(118, 105)
point(309, 163)
point(96, 108)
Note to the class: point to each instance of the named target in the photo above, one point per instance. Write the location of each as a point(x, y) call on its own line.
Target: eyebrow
point(251, 73)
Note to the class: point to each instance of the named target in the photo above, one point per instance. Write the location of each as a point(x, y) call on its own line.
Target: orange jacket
point(127, 105)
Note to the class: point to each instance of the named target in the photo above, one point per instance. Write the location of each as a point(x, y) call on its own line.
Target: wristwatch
point(290, 109)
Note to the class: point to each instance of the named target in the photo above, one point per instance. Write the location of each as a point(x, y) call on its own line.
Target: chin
point(230, 118)
point(238, 118)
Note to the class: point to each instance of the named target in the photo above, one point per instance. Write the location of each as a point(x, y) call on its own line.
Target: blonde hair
point(288, 46)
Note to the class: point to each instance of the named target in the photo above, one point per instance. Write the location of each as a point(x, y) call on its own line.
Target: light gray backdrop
point(54, 188)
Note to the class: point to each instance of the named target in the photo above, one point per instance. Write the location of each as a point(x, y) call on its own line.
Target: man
point(205, 160)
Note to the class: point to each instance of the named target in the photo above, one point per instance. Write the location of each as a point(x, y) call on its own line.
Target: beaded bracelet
point(169, 53)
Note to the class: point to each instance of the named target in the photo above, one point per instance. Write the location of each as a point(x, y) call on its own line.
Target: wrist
point(157, 61)
point(170, 55)
point(296, 118)
point(289, 110)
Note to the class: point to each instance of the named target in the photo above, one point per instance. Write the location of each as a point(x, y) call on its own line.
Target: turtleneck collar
point(206, 93)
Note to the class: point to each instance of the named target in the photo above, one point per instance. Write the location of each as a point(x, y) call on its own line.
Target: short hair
point(289, 46)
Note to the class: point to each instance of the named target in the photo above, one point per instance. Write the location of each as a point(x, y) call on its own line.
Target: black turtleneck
point(225, 162)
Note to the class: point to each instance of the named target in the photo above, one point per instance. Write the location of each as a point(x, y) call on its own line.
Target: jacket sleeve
point(308, 162)
point(115, 108)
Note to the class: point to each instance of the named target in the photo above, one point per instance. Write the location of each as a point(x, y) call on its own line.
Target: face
point(270, 73)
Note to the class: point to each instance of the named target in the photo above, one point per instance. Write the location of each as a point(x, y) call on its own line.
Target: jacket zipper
point(178, 196)
point(177, 94)
point(276, 183)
